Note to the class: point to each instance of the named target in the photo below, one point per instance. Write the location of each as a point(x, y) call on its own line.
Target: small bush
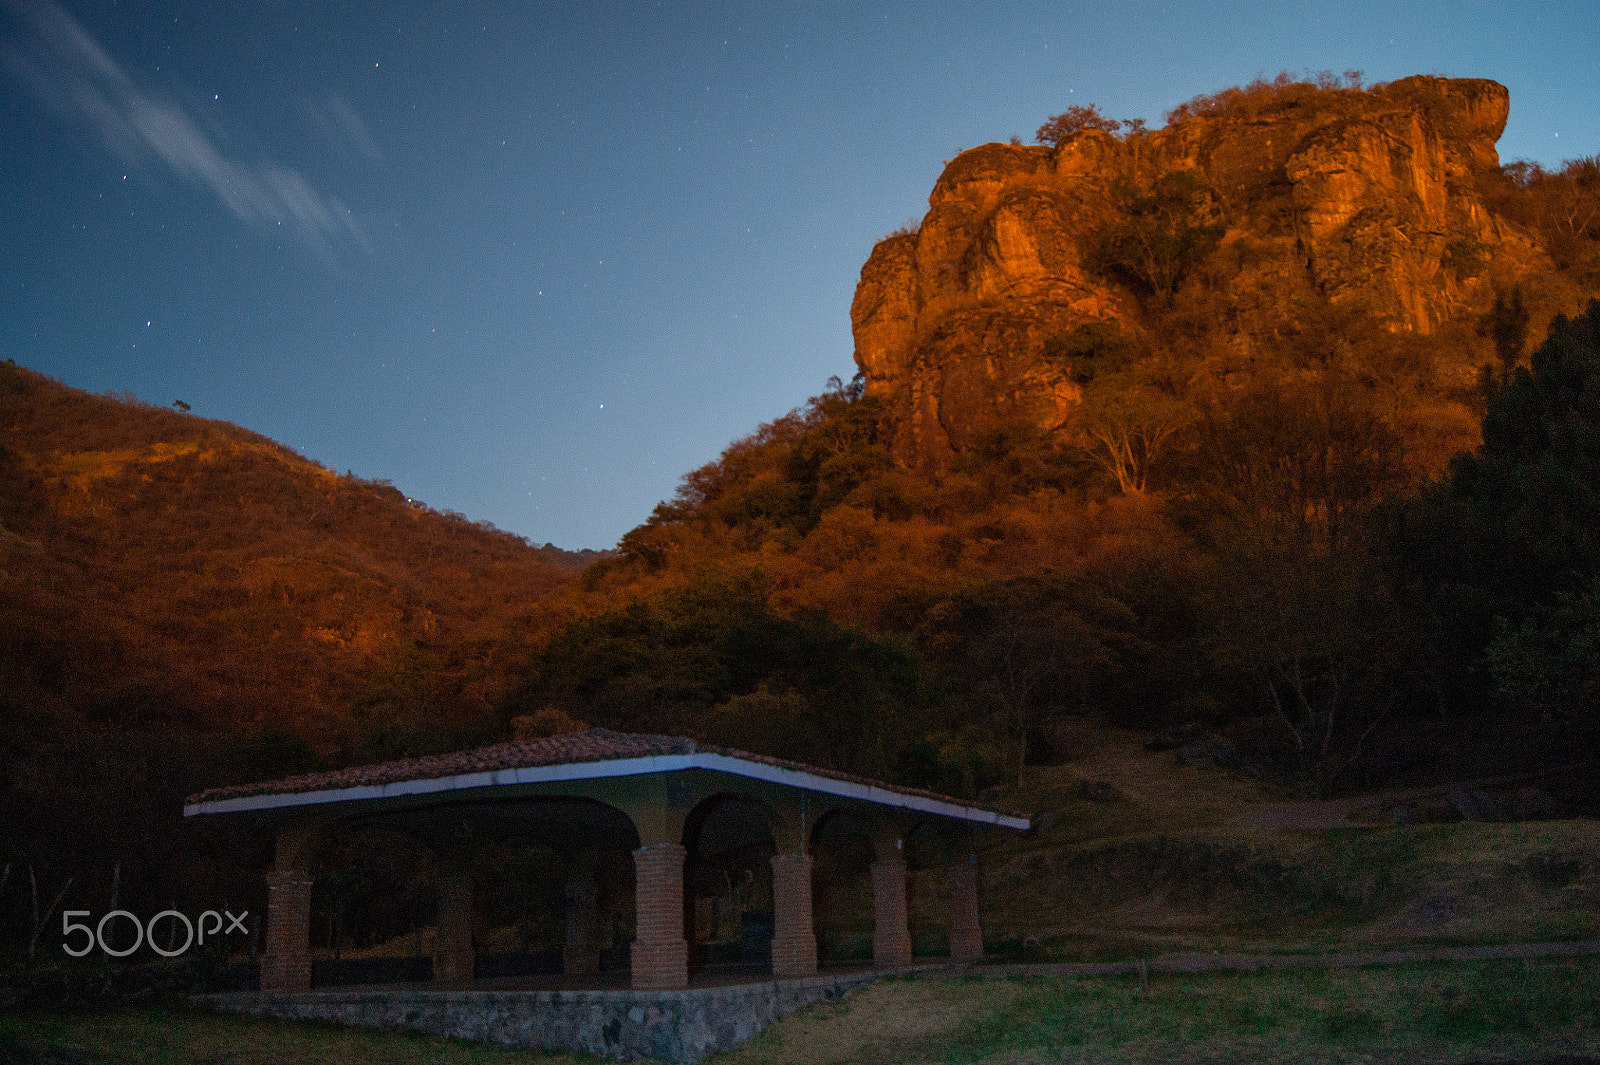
point(1262, 94)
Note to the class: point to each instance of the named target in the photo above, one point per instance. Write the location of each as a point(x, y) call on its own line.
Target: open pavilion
point(592, 798)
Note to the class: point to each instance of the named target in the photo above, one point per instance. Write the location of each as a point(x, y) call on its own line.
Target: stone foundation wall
point(679, 1026)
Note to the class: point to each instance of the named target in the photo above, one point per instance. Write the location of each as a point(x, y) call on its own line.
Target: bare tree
point(39, 920)
point(1031, 646)
point(1308, 622)
point(1131, 429)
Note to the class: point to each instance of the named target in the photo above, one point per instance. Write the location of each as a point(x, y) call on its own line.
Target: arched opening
point(727, 897)
point(841, 889)
point(927, 854)
point(519, 893)
point(372, 905)
point(553, 886)
point(538, 872)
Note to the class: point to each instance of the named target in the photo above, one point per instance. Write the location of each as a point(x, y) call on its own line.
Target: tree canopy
point(1057, 128)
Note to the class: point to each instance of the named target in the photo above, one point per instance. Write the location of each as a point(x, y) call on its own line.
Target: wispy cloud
point(74, 78)
point(341, 124)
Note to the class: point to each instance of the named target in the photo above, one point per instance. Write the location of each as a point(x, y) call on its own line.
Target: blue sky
point(533, 262)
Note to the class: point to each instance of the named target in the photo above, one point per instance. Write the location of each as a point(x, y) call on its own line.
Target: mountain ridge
point(1388, 202)
point(159, 567)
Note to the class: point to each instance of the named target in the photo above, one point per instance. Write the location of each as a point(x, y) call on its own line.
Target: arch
point(553, 881)
point(929, 851)
point(844, 844)
point(371, 892)
point(567, 824)
point(729, 841)
point(838, 821)
point(507, 870)
point(928, 844)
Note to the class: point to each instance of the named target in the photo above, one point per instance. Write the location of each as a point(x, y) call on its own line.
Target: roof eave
point(615, 767)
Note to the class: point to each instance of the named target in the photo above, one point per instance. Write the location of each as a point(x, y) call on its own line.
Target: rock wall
point(1367, 198)
point(680, 1026)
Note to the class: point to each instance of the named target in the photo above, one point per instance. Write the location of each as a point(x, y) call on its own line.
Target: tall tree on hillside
point(1506, 326)
point(1507, 549)
point(1307, 457)
point(1308, 623)
point(1130, 425)
point(1162, 235)
point(1295, 603)
point(1031, 647)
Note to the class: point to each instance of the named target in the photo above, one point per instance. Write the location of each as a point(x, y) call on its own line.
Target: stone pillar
point(453, 956)
point(794, 938)
point(286, 966)
point(660, 954)
point(966, 937)
point(580, 954)
point(891, 934)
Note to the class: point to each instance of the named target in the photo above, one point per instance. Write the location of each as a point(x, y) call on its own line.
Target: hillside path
point(1335, 813)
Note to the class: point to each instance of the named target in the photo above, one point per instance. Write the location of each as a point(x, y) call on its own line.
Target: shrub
point(1058, 128)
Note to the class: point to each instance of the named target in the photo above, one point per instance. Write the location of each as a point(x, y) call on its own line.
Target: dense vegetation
point(185, 604)
point(1288, 577)
point(1265, 515)
point(134, 536)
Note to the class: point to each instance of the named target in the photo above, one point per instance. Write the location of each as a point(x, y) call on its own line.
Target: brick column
point(794, 939)
point(660, 954)
point(453, 957)
point(581, 951)
point(286, 966)
point(891, 935)
point(966, 937)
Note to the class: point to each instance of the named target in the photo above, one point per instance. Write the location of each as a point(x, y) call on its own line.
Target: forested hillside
point(1164, 426)
point(162, 569)
point(184, 602)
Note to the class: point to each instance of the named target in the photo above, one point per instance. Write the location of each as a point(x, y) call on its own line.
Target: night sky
point(532, 262)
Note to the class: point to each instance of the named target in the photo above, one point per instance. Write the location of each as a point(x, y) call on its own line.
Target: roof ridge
point(571, 748)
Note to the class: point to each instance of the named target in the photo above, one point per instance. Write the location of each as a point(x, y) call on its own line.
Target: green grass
point(174, 1036)
point(1455, 1008)
point(1454, 1012)
point(1438, 1013)
point(1243, 889)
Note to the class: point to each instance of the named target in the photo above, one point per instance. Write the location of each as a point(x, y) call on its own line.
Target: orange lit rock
point(1372, 198)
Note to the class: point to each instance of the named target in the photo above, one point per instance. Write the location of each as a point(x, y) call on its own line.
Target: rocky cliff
point(1376, 201)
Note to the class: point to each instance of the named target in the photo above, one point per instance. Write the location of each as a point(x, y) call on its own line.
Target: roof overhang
point(615, 767)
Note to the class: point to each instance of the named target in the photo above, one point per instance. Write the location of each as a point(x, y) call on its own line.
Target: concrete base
point(679, 1026)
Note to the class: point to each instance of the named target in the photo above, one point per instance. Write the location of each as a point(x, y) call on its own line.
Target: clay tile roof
point(593, 745)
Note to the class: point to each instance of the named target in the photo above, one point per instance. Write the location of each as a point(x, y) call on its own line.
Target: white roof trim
point(616, 767)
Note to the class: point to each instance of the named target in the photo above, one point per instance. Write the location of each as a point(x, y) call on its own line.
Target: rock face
point(1367, 199)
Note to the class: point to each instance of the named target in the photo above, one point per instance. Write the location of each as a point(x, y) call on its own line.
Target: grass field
point(1166, 864)
point(1435, 1013)
point(1425, 1013)
point(173, 1036)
